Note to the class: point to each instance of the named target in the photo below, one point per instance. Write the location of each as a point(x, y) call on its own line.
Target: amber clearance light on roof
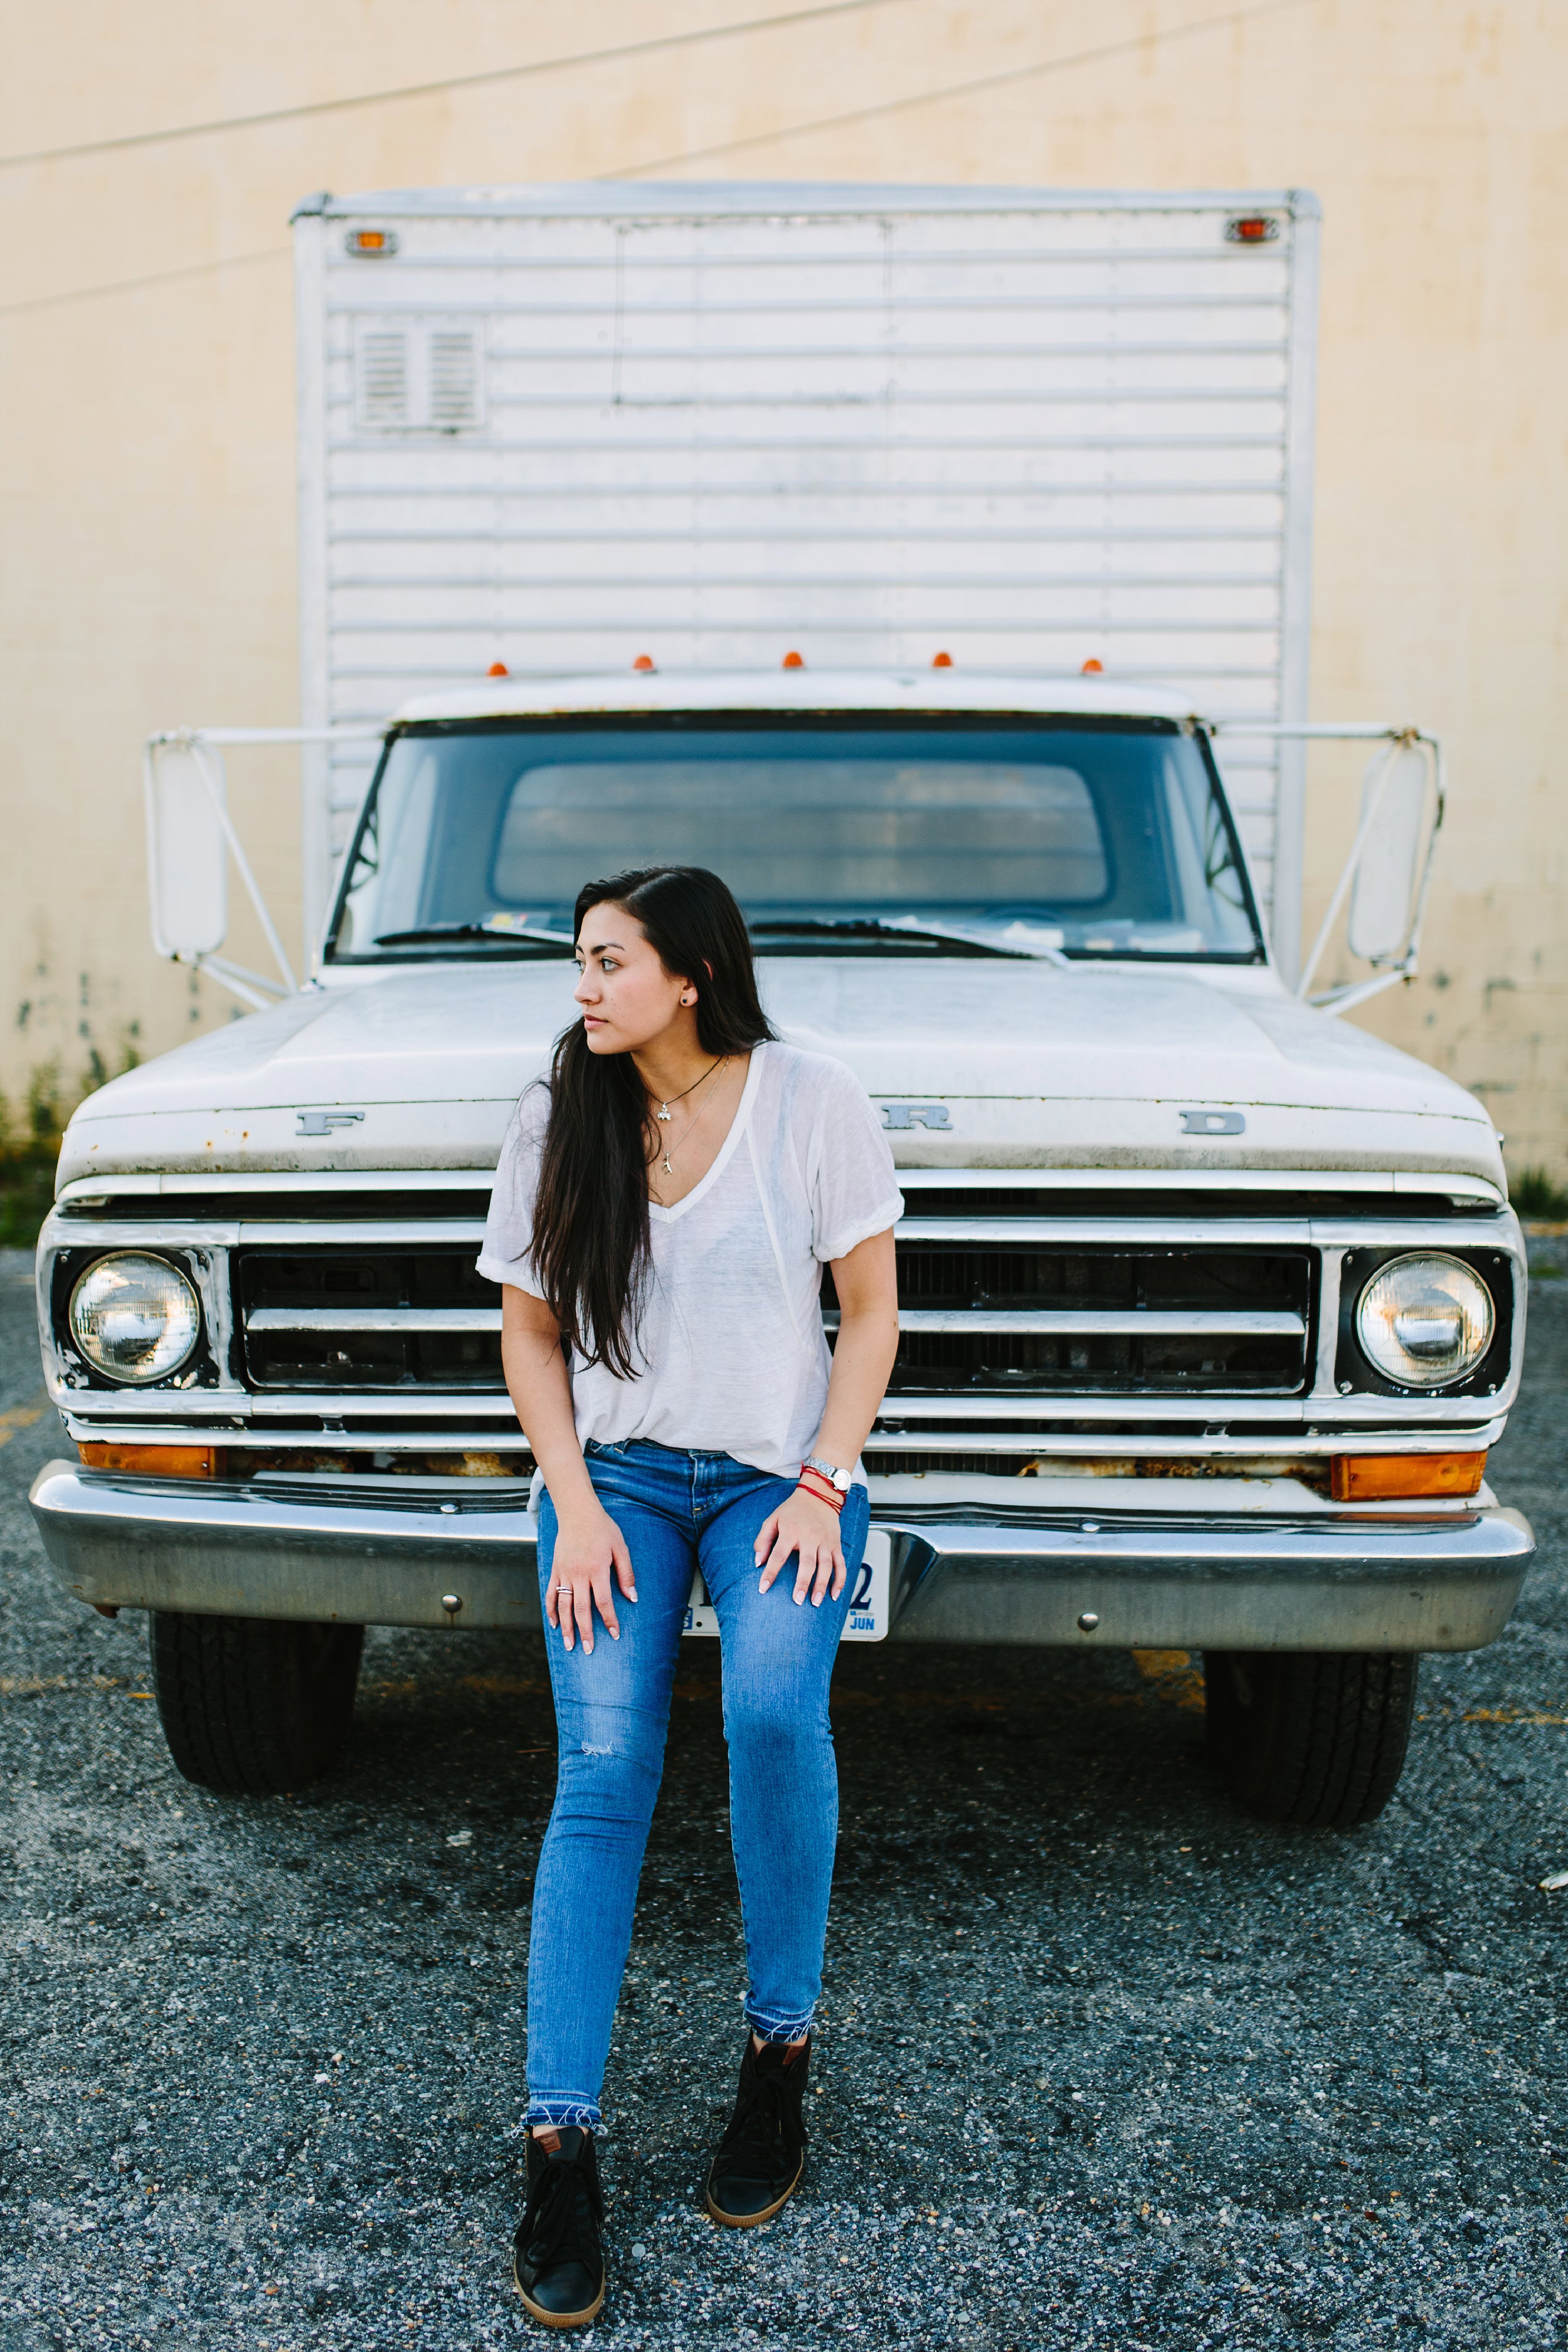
point(1251, 228)
point(380, 243)
point(1385, 1477)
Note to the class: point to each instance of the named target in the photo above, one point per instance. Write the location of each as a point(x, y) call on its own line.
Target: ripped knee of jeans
point(611, 1739)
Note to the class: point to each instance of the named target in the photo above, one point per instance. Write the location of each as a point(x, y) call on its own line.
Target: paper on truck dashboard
point(868, 1619)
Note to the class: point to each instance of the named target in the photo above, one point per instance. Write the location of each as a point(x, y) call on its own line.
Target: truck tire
point(253, 1706)
point(1313, 1737)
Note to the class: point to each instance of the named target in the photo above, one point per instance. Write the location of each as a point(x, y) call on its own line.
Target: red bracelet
point(812, 1481)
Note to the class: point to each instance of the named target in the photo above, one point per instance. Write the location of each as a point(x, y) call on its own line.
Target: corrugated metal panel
point(557, 429)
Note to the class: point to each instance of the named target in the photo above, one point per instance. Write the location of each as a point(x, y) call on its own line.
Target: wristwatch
point(840, 1479)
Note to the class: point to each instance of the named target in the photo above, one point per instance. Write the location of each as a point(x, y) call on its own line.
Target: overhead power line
point(136, 285)
point(1042, 66)
point(622, 50)
point(1148, 40)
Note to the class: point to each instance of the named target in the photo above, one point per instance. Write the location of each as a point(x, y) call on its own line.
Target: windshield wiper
point(869, 927)
point(426, 932)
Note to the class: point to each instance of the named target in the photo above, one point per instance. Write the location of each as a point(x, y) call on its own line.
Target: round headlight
point(134, 1317)
point(1425, 1322)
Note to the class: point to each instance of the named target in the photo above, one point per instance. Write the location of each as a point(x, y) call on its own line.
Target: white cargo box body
point(558, 427)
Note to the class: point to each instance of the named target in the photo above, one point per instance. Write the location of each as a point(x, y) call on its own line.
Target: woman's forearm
point(867, 1281)
point(540, 1387)
point(862, 1360)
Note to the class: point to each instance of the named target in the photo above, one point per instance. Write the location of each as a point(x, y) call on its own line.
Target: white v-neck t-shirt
point(730, 1333)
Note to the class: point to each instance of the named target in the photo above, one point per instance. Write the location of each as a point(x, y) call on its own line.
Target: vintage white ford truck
point(1212, 1305)
point(970, 533)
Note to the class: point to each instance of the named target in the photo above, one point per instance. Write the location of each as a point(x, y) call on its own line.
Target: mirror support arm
point(1398, 743)
point(1398, 738)
point(198, 751)
point(251, 988)
point(1356, 991)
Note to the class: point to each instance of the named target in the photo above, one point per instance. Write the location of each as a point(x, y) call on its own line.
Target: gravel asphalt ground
point(1101, 2062)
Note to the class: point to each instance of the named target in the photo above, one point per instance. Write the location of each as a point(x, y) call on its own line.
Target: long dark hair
point(589, 1216)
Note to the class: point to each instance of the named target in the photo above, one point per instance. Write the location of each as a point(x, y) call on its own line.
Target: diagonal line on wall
point(622, 50)
point(135, 285)
point(1107, 49)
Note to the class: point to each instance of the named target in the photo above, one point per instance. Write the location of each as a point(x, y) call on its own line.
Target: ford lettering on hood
point(1021, 1065)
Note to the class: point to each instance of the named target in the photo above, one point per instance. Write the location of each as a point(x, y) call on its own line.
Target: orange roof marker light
point(644, 662)
point(370, 240)
point(1251, 228)
point(1093, 668)
point(794, 661)
point(498, 669)
point(942, 661)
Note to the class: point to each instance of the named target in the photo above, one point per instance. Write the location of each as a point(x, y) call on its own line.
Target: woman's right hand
point(590, 1559)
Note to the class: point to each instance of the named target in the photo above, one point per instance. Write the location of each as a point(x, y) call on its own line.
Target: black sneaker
point(557, 2259)
point(760, 2159)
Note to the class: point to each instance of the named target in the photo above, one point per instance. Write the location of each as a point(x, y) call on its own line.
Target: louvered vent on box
point(382, 378)
point(454, 378)
point(417, 376)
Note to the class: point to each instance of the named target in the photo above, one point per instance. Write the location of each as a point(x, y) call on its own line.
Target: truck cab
point(1211, 1305)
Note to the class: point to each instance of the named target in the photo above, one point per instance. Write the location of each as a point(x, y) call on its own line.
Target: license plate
point(867, 1618)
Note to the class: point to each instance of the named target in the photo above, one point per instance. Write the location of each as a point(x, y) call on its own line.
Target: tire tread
point(1322, 1742)
point(253, 1706)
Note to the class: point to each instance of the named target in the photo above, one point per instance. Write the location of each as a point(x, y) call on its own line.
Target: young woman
point(662, 1212)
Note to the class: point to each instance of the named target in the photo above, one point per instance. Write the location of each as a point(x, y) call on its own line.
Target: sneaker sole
point(750, 2221)
point(560, 2318)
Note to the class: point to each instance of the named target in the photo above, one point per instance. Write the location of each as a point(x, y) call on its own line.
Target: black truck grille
point(1096, 1317)
point(372, 1319)
point(1101, 1319)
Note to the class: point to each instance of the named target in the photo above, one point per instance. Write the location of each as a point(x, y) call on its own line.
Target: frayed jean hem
point(779, 2029)
point(557, 2112)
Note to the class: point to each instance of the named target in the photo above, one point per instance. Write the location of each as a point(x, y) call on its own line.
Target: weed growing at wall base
point(30, 1145)
point(29, 1148)
point(26, 1190)
point(1535, 1192)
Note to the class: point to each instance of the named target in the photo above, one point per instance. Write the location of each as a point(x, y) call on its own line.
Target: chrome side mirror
point(1393, 825)
point(187, 849)
point(190, 840)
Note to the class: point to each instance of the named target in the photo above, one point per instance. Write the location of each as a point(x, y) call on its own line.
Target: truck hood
point(976, 1064)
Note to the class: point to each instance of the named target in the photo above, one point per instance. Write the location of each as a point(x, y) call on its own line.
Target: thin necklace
point(719, 1065)
point(664, 1103)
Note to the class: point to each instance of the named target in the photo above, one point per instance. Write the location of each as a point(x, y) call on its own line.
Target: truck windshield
point(848, 837)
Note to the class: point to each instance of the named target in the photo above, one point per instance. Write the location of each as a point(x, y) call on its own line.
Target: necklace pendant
point(663, 1112)
point(668, 1169)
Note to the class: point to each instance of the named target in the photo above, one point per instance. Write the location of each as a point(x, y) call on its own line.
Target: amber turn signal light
point(643, 662)
point(154, 1461)
point(793, 661)
point(1383, 1478)
point(498, 669)
point(1093, 668)
point(942, 661)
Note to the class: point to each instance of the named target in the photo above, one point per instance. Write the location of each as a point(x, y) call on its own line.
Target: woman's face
point(627, 998)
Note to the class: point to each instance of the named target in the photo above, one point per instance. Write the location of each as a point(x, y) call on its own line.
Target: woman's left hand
point(809, 1527)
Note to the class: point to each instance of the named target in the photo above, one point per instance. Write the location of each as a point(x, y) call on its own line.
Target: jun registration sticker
point(868, 1619)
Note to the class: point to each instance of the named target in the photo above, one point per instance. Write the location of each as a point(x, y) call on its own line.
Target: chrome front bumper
point(1125, 1579)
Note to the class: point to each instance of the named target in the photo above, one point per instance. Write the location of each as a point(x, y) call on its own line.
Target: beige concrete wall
point(146, 427)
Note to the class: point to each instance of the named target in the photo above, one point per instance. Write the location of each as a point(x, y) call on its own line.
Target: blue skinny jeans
point(679, 1511)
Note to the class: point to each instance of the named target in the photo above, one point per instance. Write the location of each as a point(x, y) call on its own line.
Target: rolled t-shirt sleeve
point(507, 1255)
point(854, 1185)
